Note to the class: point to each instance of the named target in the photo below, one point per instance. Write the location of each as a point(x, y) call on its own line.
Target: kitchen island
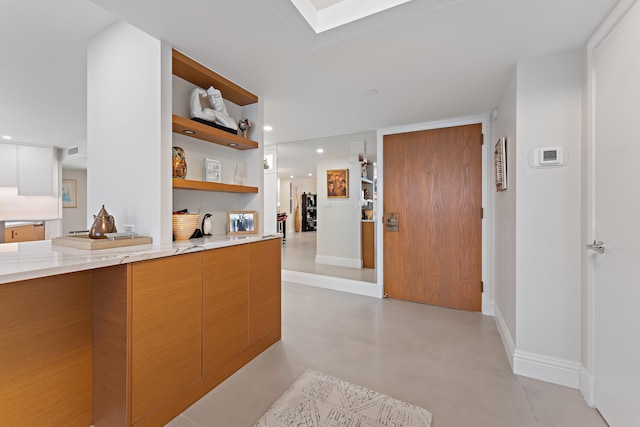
point(130, 336)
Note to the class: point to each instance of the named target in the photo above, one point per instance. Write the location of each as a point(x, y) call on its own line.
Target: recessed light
point(7, 137)
point(310, 174)
point(372, 92)
point(319, 150)
point(291, 176)
point(268, 128)
point(232, 144)
point(189, 132)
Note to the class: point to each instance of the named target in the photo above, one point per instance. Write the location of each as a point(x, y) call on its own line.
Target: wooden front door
point(433, 182)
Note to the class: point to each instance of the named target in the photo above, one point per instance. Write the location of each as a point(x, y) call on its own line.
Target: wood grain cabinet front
point(166, 330)
point(226, 305)
point(20, 233)
point(265, 289)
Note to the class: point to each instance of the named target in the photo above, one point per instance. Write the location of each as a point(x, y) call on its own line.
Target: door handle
point(596, 246)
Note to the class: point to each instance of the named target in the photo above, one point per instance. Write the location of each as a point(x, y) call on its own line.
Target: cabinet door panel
point(225, 306)
point(265, 288)
point(35, 171)
point(8, 165)
point(166, 329)
point(20, 233)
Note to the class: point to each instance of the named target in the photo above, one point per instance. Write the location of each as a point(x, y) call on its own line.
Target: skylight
point(323, 15)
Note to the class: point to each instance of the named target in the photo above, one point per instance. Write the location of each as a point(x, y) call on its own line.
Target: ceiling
point(427, 59)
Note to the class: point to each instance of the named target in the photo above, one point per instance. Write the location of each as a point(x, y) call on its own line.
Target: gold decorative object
point(179, 163)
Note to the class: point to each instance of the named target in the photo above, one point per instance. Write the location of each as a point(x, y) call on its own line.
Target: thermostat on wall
point(548, 157)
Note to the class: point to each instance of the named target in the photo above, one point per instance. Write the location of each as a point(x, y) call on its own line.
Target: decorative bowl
point(184, 225)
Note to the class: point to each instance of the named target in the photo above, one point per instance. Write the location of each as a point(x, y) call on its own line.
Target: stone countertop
point(30, 260)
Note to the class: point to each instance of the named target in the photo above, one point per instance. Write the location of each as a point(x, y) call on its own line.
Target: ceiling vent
point(73, 151)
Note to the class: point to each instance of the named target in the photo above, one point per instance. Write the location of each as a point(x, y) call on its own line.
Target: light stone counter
point(30, 260)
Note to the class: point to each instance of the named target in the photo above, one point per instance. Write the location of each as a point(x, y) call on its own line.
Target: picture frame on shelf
point(338, 183)
point(212, 170)
point(69, 193)
point(242, 222)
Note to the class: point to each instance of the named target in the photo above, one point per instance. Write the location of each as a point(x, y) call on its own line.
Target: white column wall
point(126, 168)
point(548, 220)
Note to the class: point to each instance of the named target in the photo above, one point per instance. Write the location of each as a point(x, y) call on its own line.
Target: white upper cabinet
point(35, 171)
point(8, 165)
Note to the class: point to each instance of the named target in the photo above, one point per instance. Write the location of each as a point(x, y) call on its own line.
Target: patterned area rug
point(320, 400)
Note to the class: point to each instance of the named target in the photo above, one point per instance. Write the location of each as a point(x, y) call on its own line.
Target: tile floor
point(299, 254)
point(448, 361)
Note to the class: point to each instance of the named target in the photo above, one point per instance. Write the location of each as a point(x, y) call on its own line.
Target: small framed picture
point(242, 222)
point(69, 193)
point(338, 183)
point(212, 170)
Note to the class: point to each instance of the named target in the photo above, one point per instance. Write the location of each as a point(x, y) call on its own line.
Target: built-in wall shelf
point(201, 131)
point(189, 184)
point(367, 180)
point(196, 73)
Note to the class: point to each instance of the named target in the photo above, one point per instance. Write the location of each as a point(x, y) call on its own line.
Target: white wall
point(128, 145)
point(504, 216)
point(338, 241)
point(548, 220)
point(76, 218)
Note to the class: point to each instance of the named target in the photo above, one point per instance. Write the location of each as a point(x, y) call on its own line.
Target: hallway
point(449, 362)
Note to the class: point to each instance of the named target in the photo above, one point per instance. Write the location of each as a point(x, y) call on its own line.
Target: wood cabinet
point(23, 233)
point(166, 330)
point(368, 244)
point(45, 351)
point(226, 305)
point(199, 75)
point(135, 344)
point(265, 289)
point(19, 233)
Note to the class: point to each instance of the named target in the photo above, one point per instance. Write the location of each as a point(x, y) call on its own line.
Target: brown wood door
point(433, 181)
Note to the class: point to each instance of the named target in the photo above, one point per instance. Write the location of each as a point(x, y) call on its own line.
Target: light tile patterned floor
point(449, 362)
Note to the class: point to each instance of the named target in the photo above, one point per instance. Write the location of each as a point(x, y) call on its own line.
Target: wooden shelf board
point(189, 184)
point(196, 73)
point(211, 134)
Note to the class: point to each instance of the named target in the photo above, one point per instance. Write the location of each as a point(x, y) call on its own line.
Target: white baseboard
point(334, 283)
point(507, 341)
point(487, 305)
point(587, 387)
point(544, 368)
point(339, 261)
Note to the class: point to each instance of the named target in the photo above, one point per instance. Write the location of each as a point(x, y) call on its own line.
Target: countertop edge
point(33, 260)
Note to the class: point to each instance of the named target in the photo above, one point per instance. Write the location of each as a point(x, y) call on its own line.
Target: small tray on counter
point(84, 242)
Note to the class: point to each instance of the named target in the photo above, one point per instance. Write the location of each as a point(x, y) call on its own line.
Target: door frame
point(487, 230)
point(587, 369)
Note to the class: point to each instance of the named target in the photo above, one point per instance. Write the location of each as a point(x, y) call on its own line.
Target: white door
point(617, 223)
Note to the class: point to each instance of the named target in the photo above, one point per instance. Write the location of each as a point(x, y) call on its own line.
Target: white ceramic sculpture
point(217, 114)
